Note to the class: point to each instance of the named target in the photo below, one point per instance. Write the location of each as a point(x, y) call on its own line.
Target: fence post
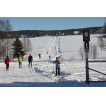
point(87, 70)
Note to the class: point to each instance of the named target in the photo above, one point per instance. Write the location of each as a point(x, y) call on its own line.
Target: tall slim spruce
point(18, 48)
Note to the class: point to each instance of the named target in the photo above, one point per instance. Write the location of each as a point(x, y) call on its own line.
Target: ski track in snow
point(43, 70)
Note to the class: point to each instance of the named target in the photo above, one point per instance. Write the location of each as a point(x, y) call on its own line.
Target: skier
point(20, 61)
point(39, 56)
point(57, 62)
point(49, 56)
point(7, 60)
point(30, 59)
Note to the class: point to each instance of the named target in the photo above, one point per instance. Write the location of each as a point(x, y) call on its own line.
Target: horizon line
point(60, 29)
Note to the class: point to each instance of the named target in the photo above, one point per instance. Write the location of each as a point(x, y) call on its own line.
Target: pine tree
point(18, 48)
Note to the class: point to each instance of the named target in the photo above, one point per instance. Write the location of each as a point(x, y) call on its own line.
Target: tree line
point(9, 46)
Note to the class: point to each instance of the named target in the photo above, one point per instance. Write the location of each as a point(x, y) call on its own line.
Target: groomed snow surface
point(41, 74)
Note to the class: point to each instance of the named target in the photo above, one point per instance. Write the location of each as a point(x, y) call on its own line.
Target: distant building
point(60, 33)
point(76, 32)
point(22, 36)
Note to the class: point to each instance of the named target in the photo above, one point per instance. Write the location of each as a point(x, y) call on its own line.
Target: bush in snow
point(101, 42)
point(81, 52)
point(95, 52)
point(61, 59)
point(72, 59)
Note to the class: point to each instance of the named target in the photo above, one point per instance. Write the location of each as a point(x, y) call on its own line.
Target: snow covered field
point(73, 74)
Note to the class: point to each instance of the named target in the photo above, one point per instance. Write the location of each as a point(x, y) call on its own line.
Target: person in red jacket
point(7, 61)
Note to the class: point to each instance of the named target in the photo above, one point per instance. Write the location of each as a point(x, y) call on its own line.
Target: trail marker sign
point(86, 47)
point(86, 39)
point(86, 35)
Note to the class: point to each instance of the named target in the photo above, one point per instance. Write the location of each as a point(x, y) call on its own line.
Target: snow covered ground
point(41, 74)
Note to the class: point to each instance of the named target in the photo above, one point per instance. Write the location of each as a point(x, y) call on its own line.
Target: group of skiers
point(7, 61)
point(30, 59)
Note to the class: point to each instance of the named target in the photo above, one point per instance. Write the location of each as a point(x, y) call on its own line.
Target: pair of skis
point(7, 69)
point(56, 76)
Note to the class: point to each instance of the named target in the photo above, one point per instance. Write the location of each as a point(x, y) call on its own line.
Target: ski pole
point(4, 64)
point(53, 67)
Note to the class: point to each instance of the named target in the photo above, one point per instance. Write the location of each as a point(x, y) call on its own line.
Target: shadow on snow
point(55, 84)
point(45, 84)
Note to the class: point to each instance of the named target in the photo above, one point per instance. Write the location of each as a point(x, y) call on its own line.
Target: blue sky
point(53, 23)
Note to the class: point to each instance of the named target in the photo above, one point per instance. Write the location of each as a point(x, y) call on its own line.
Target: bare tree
point(62, 59)
point(24, 43)
point(2, 40)
point(5, 28)
point(90, 50)
point(95, 52)
point(8, 28)
point(81, 52)
point(72, 59)
point(104, 26)
point(101, 42)
point(2, 48)
point(27, 45)
point(5, 42)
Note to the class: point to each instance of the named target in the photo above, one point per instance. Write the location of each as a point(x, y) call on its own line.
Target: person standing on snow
point(30, 59)
point(39, 56)
point(20, 61)
point(57, 62)
point(7, 60)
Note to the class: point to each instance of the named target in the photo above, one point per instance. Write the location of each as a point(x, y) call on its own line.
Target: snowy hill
point(42, 72)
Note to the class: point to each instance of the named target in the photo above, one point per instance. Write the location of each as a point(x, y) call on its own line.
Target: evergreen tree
point(18, 48)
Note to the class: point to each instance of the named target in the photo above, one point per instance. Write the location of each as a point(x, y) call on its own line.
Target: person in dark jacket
point(39, 56)
point(7, 61)
point(57, 62)
point(30, 59)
